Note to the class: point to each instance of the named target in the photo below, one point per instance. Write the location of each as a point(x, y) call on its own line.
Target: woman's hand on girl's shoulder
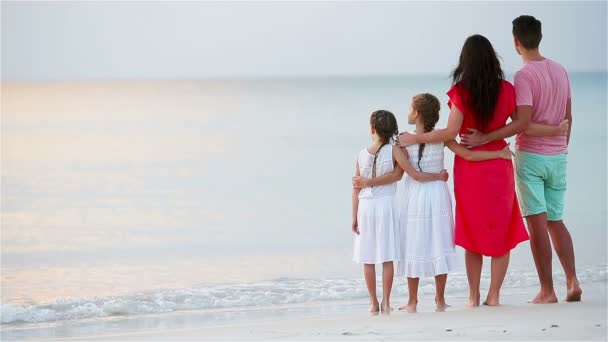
point(405, 139)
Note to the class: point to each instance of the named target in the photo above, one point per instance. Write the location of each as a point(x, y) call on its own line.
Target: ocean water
point(133, 198)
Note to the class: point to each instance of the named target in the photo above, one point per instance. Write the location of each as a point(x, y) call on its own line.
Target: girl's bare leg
point(440, 281)
point(369, 271)
point(387, 286)
point(412, 286)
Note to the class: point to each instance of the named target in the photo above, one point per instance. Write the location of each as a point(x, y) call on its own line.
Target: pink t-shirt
point(545, 86)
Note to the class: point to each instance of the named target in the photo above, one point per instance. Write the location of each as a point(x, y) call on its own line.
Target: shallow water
point(124, 198)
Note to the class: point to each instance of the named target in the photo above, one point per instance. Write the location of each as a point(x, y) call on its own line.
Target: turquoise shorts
point(541, 184)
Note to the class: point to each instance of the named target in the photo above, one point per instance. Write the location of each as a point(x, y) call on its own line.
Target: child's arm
point(400, 157)
point(540, 130)
point(467, 154)
point(355, 224)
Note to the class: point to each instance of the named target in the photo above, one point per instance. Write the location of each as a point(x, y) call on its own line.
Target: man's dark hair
point(527, 29)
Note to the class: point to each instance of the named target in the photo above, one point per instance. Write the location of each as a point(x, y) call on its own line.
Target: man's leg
point(555, 192)
point(531, 172)
point(562, 242)
point(542, 253)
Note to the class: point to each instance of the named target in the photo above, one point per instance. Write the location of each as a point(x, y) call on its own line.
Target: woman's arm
point(540, 130)
point(520, 120)
point(439, 135)
point(469, 155)
point(356, 191)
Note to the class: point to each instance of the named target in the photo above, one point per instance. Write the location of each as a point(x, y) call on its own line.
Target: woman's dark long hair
point(480, 74)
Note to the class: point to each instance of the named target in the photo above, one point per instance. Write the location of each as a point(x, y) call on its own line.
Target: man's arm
point(569, 118)
point(540, 130)
point(520, 120)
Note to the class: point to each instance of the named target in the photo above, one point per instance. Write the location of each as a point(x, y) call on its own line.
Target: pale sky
point(165, 40)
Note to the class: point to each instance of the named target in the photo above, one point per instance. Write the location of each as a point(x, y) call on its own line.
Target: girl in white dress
point(426, 219)
point(375, 219)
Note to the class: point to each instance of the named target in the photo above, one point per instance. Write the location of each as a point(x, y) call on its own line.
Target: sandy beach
point(515, 320)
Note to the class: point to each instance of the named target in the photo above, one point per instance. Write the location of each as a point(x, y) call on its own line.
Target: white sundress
point(426, 220)
point(378, 240)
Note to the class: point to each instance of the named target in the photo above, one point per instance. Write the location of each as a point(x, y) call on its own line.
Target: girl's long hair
point(385, 124)
point(427, 106)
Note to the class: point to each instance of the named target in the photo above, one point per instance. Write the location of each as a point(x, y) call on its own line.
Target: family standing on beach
point(421, 235)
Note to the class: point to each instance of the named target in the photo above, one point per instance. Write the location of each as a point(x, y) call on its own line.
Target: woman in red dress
point(488, 220)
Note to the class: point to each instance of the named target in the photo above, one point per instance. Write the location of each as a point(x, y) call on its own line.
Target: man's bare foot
point(574, 293)
point(542, 298)
point(374, 308)
point(385, 307)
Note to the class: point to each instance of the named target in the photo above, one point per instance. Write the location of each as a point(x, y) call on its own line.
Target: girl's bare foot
point(544, 298)
point(574, 292)
point(374, 308)
point(441, 305)
point(410, 307)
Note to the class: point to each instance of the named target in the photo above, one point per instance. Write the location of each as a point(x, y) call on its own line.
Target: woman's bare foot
point(492, 300)
point(574, 292)
point(473, 301)
point(374, 308)
point(543, 298)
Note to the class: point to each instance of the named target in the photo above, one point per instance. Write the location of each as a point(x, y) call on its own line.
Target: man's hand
point(474, 139)
point(563, 127)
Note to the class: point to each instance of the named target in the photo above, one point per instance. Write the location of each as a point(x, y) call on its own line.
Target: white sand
point(563, 321)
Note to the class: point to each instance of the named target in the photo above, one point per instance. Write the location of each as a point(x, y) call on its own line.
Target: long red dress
point(488, 220)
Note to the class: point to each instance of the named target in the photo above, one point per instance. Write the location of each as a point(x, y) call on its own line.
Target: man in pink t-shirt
point(542, 88)
point(543, 124)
